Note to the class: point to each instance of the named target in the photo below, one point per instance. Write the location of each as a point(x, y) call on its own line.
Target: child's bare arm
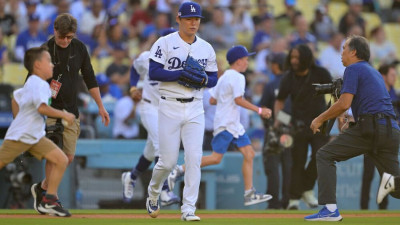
point(264, 112)
point(55, 113)
point(14, 107)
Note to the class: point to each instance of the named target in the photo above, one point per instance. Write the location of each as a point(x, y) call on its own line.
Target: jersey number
point(158, 52)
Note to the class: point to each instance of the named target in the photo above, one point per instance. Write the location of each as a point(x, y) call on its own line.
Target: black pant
point(367, 177)
point(272, 164)
point(351, 144)
point(303, 178)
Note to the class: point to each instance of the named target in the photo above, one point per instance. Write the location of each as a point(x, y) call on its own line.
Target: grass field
point(217, 217)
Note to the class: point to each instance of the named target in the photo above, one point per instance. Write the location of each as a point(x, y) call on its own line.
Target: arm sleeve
point(284, 87)
point(157, 72)
point(86, 68)
point(212, 79)
point(134, 76)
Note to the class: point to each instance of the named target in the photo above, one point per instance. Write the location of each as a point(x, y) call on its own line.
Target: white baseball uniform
point(148, 107)
point(180, 120)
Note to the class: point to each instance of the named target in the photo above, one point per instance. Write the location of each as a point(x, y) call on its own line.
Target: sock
point(331, 207)
point(247, 192)
point(142, 165)
point(49, 198)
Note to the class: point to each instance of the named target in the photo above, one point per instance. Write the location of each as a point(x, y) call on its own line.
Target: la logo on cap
point(193, 9)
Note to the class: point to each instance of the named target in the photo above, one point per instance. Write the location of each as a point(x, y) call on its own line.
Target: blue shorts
point(221, 142)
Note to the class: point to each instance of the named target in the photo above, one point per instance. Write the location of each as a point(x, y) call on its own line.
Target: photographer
point(375, 133)
point(69, 56)
point(275, 155)
point(306, 105)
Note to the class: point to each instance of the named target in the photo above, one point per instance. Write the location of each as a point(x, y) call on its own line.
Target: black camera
point(18, 175)
point(278, 139)
point(55, 133)
point(333, 88)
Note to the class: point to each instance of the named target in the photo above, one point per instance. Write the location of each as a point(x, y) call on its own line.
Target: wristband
point(259, 110)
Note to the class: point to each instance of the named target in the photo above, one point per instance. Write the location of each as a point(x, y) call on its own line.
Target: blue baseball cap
point(237, 52)
point(189, 9)
point(102, 79)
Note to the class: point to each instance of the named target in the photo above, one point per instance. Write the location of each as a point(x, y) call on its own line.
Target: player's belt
point(182, 100)
point(146, 100)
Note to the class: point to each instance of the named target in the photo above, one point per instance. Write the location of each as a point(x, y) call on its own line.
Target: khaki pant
point(70, 135)
point(10, 149)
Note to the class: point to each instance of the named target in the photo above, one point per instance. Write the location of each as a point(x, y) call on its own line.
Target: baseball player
point(149, 96)
point(181, 113)
point(30, 107)
point(228, 96)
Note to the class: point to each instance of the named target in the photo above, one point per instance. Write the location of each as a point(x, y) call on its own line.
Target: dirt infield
point(204, 216)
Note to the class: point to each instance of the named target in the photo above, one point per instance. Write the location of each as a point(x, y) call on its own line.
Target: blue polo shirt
point(368, 88)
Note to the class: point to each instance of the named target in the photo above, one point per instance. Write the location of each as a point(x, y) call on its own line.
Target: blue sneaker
point(325, 215)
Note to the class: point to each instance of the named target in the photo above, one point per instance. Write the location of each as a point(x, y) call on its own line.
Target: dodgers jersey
point(28, 126)
point(172, 51)
point(150, 87)
point(227, 115)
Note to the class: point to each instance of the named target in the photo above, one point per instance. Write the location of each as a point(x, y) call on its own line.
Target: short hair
point(384, 68)
point(306, 59)
point(361, 45)
point(32, 55)
point(65, 23)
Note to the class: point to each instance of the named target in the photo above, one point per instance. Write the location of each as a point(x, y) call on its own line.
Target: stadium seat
point(336, 10)
point(372, 21)
point(14, 74)
point(307, 7)
point(392, 31)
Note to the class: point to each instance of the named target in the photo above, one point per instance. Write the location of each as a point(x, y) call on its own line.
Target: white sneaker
point(172, 177)
point(256, 197)
point(309, 198)
point(168, 198)
point(386, 186)
point(293, 204)
point(189, 217)
point(153, 207)
point(127, 186)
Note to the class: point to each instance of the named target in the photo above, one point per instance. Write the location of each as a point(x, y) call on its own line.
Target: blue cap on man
point(237, 52)
point(189, 9)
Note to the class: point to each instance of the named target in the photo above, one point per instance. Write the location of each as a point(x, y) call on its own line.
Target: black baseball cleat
point(53, 208)
point(37, 194)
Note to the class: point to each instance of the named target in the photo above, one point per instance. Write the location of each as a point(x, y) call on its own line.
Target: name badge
point(55, 87)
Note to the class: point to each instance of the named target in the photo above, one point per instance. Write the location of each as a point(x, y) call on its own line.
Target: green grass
point(40, 220)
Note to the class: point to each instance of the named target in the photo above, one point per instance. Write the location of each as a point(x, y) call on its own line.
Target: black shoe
point(37, 193)
point(53, 209)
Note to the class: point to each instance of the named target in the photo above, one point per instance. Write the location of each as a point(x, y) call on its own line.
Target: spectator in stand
point(153, 30)
point(352, 17)
point(117, 34)
point(32, 37)
point(62, 7)
point(331, 56)
point(278, 45)
point(286, 21)
point(301, 35)
point(103, 48)
point(19, 10)
point(263, 38)
point(78, 8)
point(91, 18)
point(242, 21)
point(117, 71)
point(218, 33)
point(142, 17)
point(262, 9)
point(3, 50)
point(383, 51)
point(7, 21)
point(109, 92)
point(322, 26)
point(126, 123)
